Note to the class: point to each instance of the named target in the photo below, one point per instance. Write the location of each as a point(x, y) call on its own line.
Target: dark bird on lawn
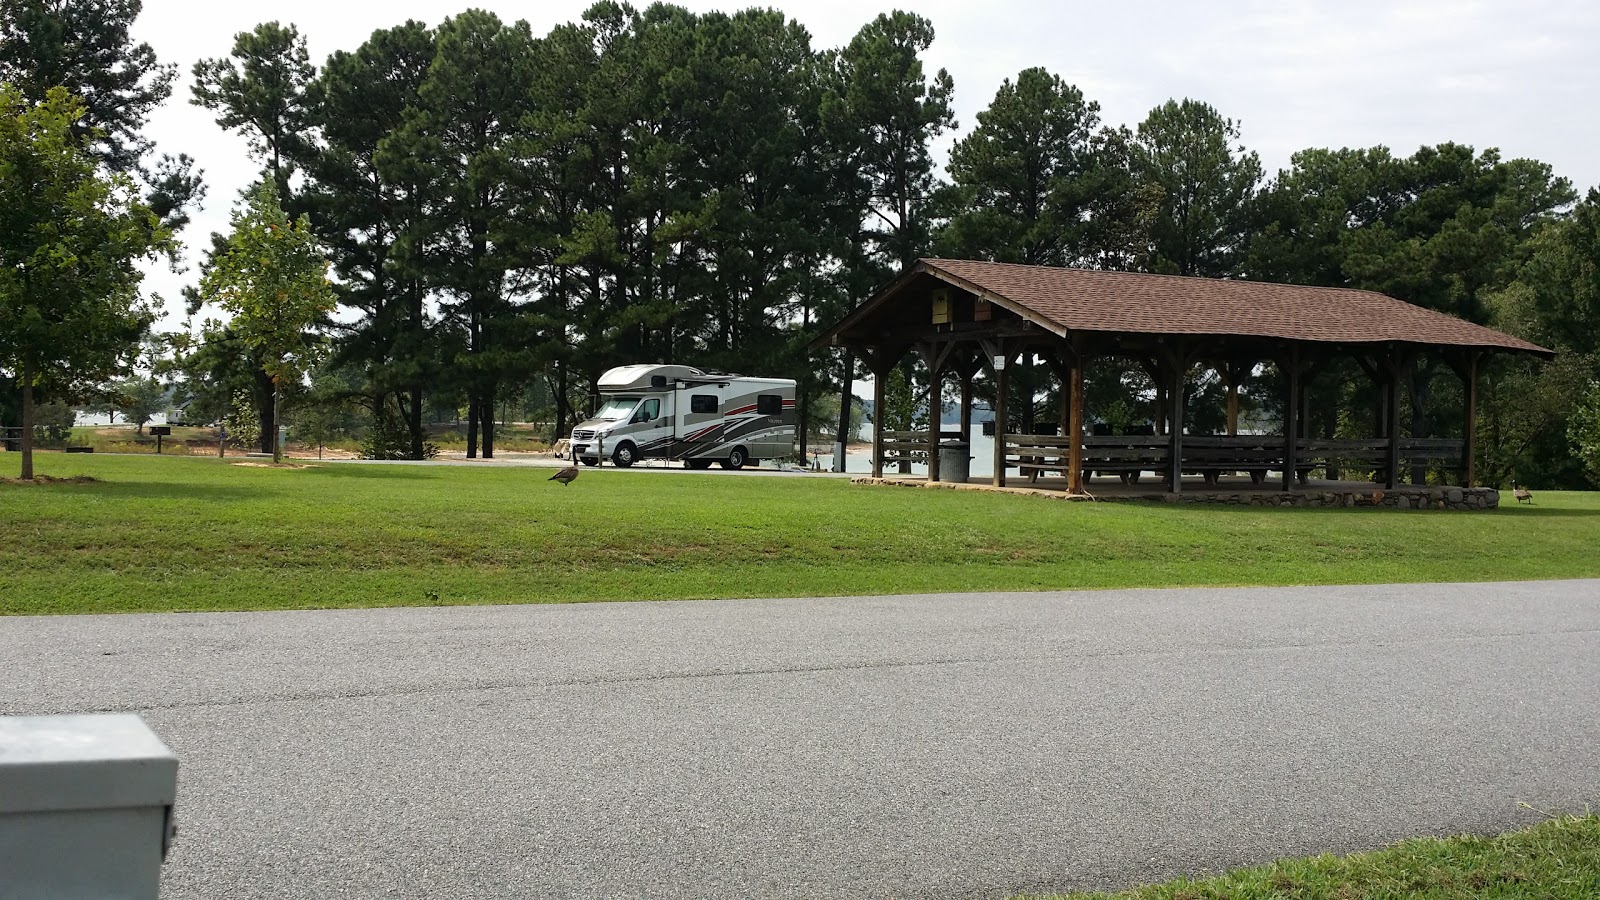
point(566, 475)
point(1522, 494)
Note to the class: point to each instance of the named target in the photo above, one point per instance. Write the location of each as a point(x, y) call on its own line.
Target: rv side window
point(648, 410)
point(769, 405)
point(702, 403)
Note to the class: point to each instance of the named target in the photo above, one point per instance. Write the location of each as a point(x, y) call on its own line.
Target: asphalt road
point(932, 746)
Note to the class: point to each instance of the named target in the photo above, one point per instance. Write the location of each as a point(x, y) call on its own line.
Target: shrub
point(388, 438)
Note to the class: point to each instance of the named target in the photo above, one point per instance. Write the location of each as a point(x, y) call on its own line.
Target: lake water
point(859, 460)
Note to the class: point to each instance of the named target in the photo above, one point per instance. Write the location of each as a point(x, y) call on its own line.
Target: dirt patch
point(267, 465)
point(50, 479)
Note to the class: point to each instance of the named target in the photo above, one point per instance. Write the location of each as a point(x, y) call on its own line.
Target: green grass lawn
point(186, 533)
point(1555, 860)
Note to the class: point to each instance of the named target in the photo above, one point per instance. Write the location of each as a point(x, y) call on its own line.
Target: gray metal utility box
point(85, 807)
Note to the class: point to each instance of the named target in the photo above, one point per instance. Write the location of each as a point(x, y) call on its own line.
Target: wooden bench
point(1212, 456)
point(904, 447)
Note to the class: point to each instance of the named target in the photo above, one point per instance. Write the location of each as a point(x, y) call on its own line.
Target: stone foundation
point(1341, 495)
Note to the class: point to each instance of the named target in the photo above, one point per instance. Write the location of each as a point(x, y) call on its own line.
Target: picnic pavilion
point(965, 317)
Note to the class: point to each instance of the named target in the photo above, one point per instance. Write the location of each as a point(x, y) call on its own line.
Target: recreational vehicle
point(680, 412)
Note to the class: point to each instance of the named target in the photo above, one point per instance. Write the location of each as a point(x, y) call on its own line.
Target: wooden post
point(1175, 404)
point(966, 404)
point(1391, 425)
point(935, 413)
point(1000, 363)
point(1029, 390)
point(1233, 405)
point(877, 421)
point(1291, 419)
point(1470, 433)
point(1064, 407)
point(1161, 407)
point(1074, 429)
point(1234, 372)
point(841, 441)
point(1304, 415)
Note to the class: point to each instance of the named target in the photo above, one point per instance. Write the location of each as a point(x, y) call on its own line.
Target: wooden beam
point(1371, 366)
point(880, 359)
point(969, 361)
point(937, 354)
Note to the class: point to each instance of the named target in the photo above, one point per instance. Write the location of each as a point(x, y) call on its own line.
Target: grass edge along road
point(1555, 859)
point(191, 533)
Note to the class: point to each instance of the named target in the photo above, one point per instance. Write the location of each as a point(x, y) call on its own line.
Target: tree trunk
point(266, 413)
point(841, 441)
point(415, 312)
point(414, 422)
point(472, 425)
point(277, 446)
point(487, 406)
point(27, 421)
point(563, 408)
point(805, 415)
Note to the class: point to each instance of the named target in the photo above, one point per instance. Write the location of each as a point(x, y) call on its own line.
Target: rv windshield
point(617, 408)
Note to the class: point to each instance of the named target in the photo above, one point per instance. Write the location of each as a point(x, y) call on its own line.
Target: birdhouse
point(982, 310)
point(942, 311)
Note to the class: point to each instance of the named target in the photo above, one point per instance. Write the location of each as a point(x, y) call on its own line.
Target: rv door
point(699, 419)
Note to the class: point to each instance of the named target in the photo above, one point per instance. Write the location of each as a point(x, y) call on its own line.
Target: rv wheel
point(736, 459)
point(623, 455)
point(589, 460)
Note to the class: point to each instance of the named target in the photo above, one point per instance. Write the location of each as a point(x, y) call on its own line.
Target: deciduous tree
point(273, 280)
point(70, 237)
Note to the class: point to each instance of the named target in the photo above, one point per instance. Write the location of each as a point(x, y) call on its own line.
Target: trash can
point(955, 461)
point(85, 807)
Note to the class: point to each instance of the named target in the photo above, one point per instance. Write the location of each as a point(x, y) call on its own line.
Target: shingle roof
point(1091, 300)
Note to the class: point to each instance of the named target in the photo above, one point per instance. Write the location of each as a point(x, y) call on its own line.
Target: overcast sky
point(1521, 76)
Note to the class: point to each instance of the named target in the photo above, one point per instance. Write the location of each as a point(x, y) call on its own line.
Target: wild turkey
point(566, 475)
point(1522, 494)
